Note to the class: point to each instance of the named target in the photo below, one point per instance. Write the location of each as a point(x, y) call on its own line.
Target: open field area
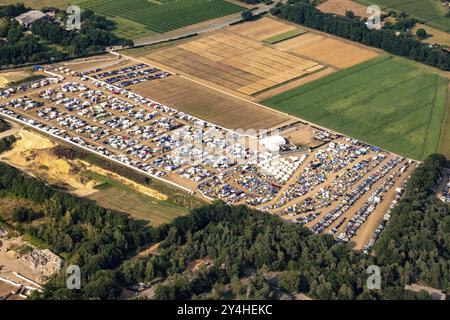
point(117, 196)
point(262, 29)
point(328, 50)
point(388, 102)
point(139, 18)
point(209, 104)
point(234, 62)
point(342, 6)
point(432, 12)
point(8, 78)
point(444, 142)
point(38, 4)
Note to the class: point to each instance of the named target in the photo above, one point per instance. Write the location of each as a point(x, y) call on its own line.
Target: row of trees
point(94, 36)
point(13, 10)
point(238, 241)
point(417, 239)
point(4, 126)
point(6, 143)
point(89, 236)
point(301, 12)
point(20, 47)
point(414, 247)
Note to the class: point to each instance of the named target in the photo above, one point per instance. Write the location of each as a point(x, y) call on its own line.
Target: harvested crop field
point(328, 50)
point(261, 29)
point(235, 62)
point(209, 104)
point(388, 102)
point(341, 6)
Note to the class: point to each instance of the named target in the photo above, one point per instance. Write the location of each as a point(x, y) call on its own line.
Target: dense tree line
point(94, 36)
point(23, 214)
point(4, 126)
point(20, 47)
point(92, 237)
point(12, 10)
point(303, 13)
point(238, 239)
point(6, 143)
point(416, 240)
point(240, 243)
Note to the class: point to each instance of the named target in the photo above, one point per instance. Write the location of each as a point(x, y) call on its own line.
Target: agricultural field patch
point(142, 17)
point(209, 104)
point(432, 12)
point(38, 4)
point(235, 62)
point(328, 50)
point(388, 102)
point(261, 29)
point(285, 36)
point(342, 6)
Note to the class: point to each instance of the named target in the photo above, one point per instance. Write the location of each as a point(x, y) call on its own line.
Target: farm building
point(27, 18)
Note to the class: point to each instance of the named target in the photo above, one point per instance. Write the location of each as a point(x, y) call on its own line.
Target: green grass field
point(117, 196)
point(285, 36)
point(139, 18)
point(432, 12)
point(388, 102)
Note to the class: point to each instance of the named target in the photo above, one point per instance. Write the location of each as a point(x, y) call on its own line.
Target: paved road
point(261, 9)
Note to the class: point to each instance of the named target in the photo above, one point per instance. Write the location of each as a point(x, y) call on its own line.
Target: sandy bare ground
point(11, 262)
point(341, 6)
point(104, 61)
point(365, 232)
point(7, 77)
point(32, 154)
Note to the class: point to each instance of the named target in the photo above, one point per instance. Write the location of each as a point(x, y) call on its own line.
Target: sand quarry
point(32, 153)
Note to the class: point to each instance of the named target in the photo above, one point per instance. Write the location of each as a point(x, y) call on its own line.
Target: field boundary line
point(218, 90)
point(445, 121)
point(326, 82)
point(430, 116)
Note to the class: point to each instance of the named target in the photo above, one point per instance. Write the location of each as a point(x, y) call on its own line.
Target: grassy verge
point(120, 197)
point(285, 36)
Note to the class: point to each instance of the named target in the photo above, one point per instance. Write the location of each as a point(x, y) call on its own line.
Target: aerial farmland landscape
point(224, 150)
